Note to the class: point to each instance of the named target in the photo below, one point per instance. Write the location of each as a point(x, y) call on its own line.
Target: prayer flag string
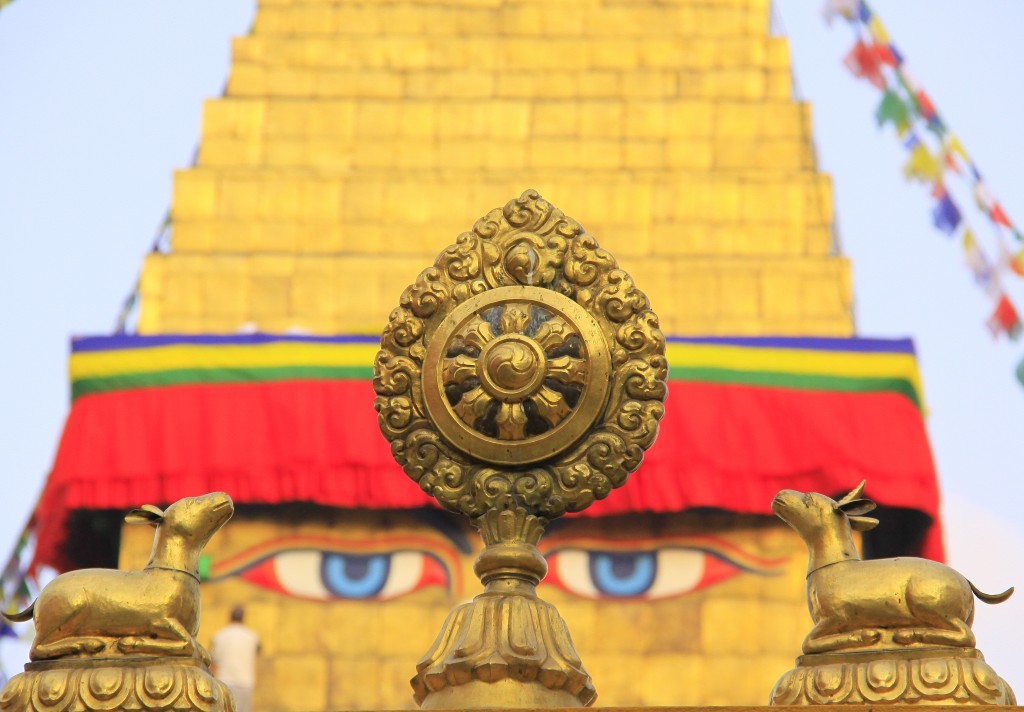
point(934, 153)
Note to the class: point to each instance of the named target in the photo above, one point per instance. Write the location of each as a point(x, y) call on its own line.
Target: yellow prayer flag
point(956, 147)
point(922, 166)
point(878, 30)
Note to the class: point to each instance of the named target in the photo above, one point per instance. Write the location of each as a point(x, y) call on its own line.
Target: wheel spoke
point(551, 406)
point(477, 333)
point(511, 421)
point(472, 406)
point(567, 370)
point(553, 333)
point(514, 318)
point(458, 369)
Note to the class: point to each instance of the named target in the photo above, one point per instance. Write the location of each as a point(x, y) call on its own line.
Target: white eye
point(679, 571)
point(406, 573)
point(571, 567)
point(327, 575)
point(648, 574)
point(298, 573)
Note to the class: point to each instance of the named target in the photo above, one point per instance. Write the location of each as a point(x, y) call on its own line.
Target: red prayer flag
point(1005, 319)
point(924, 105)
point(863, 62)
point(998, 216)
point(884, 54)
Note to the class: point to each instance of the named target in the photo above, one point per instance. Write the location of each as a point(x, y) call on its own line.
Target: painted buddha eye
point(327, 574)
point(649, 573)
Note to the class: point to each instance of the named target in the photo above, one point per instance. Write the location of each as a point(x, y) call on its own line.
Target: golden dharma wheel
point(521, 377)
point(524, 363)
point(516, 375)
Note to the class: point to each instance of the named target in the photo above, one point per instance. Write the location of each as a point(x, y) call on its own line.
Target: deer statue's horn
point(856, 493)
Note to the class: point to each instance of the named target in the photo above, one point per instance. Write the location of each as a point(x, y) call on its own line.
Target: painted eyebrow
point(447, 525)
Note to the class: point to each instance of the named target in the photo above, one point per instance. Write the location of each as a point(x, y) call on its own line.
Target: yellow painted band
point(96, 364)
point(831, 363)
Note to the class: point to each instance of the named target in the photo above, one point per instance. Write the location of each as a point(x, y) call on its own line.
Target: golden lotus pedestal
point(143, 684)
point(930, 676)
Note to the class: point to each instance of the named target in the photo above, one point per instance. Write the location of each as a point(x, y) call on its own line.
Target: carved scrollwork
point(526, 348)
point(146, 686)
point(936, 677)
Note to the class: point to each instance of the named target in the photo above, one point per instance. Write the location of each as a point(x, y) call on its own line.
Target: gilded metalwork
point(885, 630)
point(506, 634)
point(527, 253)
point(921, 676)
point(104, 634)
point(142, 684)
point(518, 375)
point(520, 378)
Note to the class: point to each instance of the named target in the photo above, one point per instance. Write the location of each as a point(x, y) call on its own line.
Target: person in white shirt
point(234, 653)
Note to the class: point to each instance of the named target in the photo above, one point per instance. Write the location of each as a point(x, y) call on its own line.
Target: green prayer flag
point(892, 109)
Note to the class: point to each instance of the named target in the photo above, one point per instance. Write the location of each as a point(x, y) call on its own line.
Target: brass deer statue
point(150, 612)
point(904, 601)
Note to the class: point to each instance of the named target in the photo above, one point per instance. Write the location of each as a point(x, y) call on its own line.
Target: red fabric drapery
point(726, 446)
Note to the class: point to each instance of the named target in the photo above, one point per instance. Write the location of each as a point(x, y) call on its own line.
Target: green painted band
point(184, 376)
point(801, 381)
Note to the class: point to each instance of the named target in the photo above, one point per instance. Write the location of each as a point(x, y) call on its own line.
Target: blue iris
point(622, 573)
point(355, 576)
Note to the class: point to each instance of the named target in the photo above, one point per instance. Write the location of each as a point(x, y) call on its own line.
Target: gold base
point(503, 651)
point(504, 694)
point(926, 676)
point(141, 684)
point(506, 649)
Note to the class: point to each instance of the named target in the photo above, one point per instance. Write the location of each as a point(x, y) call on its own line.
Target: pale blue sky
point(101, 100)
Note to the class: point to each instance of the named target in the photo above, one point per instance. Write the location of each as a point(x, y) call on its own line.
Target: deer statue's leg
point(142, 644)
point(55, 628)
point(66, 646)
point(822, 641)
point(176, 640)
point(939, 624)
point(960, 635)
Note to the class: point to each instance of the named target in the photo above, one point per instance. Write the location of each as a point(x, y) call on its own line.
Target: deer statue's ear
point(146, 514)
point(862, 524)
point(856, 493)
point(855, 507)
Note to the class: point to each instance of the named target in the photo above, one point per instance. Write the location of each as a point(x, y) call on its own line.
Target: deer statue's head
point(815, 516)
point(184, 528)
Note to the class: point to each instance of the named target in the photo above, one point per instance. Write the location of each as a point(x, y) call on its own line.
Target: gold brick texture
point(312, 293)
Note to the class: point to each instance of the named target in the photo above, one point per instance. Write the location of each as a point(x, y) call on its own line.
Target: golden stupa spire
point(349, 132)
